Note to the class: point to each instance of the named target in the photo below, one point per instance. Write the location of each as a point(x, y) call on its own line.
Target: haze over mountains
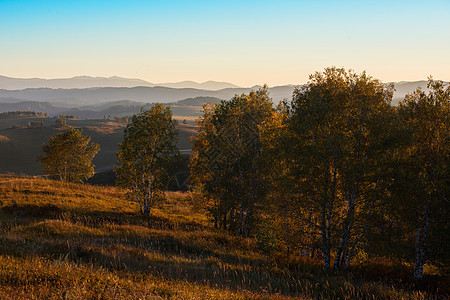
point(91, 97)
point(80, 82)
point(96, 106)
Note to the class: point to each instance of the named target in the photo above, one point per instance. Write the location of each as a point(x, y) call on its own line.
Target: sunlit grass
point(75, 241)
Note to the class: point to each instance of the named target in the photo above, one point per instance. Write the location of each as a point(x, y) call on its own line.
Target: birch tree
point(149, 144)
point(426, 173)
point(226, 160)
point(340, 124)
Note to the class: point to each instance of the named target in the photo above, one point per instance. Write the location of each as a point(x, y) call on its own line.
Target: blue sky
point(244, 42)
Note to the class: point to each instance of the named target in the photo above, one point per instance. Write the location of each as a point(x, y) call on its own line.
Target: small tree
point(148, 145)
point(68, 156)
point(60, 123)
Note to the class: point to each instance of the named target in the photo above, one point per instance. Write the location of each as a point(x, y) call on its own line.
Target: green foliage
point(148, 146)
point(338, 170)
point(68, 156)
point(332, 142)
point(424, 176)
point(266, 240)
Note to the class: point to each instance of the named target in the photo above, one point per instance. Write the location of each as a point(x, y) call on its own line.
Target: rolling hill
point(187, 109)
point(93, 96)
point(77, 241)
point(20, 146)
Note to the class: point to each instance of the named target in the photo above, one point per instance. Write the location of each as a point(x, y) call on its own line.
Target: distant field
point(19, 147)
point(75, 241)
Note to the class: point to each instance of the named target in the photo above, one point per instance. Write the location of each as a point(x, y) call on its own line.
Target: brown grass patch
point(102, 129)
point(4, 139)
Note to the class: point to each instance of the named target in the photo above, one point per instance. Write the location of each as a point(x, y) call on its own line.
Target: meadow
point(78, 241)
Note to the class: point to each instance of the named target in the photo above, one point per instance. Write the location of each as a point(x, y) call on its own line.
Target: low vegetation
point(75, 241)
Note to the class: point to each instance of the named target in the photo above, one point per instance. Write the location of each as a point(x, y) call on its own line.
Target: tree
point(149, 144)
point(226, 161)
point(339, 125)
point(68, 156)
point(426, 166)
point(60, 123)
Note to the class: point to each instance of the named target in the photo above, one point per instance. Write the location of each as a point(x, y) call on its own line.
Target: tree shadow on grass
point(171, 257)
point(206, 271)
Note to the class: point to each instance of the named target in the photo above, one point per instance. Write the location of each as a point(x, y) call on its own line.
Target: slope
point(75, 241)
point(20, 146)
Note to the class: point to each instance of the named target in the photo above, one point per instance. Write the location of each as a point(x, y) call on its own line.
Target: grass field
point(75, 241)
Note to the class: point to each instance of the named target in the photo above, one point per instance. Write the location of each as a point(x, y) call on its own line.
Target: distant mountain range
point(404, 87)
point(81, 82)
point(90, 102)
point(188, 109)
point(93, 96)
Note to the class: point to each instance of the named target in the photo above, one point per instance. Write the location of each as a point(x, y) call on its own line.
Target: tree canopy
point(68, 156)
point(425, 170)
point(227, 159)
point(149, 144)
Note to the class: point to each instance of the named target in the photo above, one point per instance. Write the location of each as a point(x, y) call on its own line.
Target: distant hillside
point(187, 109)
point(94, 96)
point(82, 82)
point(404, 87)
point(90, 99)
point(19, 147)
point(9, 83)
point(30, 106)
point(198, 101)
point(207, 85)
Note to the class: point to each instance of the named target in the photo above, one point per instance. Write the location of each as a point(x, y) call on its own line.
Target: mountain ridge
point(94, 96)
point(84, 81)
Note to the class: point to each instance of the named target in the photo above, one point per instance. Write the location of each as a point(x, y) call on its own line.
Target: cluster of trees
point(60, 123)
point(22, 114)
point(69, 117)
point(336, 171)
point(35, 124)
point(124, 119)
point(227, 162)
point(149, 145)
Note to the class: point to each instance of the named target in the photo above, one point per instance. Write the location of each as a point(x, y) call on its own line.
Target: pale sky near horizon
point(242, 42)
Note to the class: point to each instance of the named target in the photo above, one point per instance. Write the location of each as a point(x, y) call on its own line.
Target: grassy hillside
point(187, 109)
point(74, 241)
point(19, 147)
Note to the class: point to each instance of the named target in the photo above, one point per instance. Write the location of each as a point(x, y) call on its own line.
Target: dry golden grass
point(4, 139)
point(75, 241)
point(106, 128)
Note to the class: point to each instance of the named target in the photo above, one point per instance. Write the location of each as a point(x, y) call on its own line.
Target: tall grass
point(75, 241)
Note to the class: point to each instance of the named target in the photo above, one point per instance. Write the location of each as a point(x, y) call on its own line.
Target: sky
point(242, 42)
